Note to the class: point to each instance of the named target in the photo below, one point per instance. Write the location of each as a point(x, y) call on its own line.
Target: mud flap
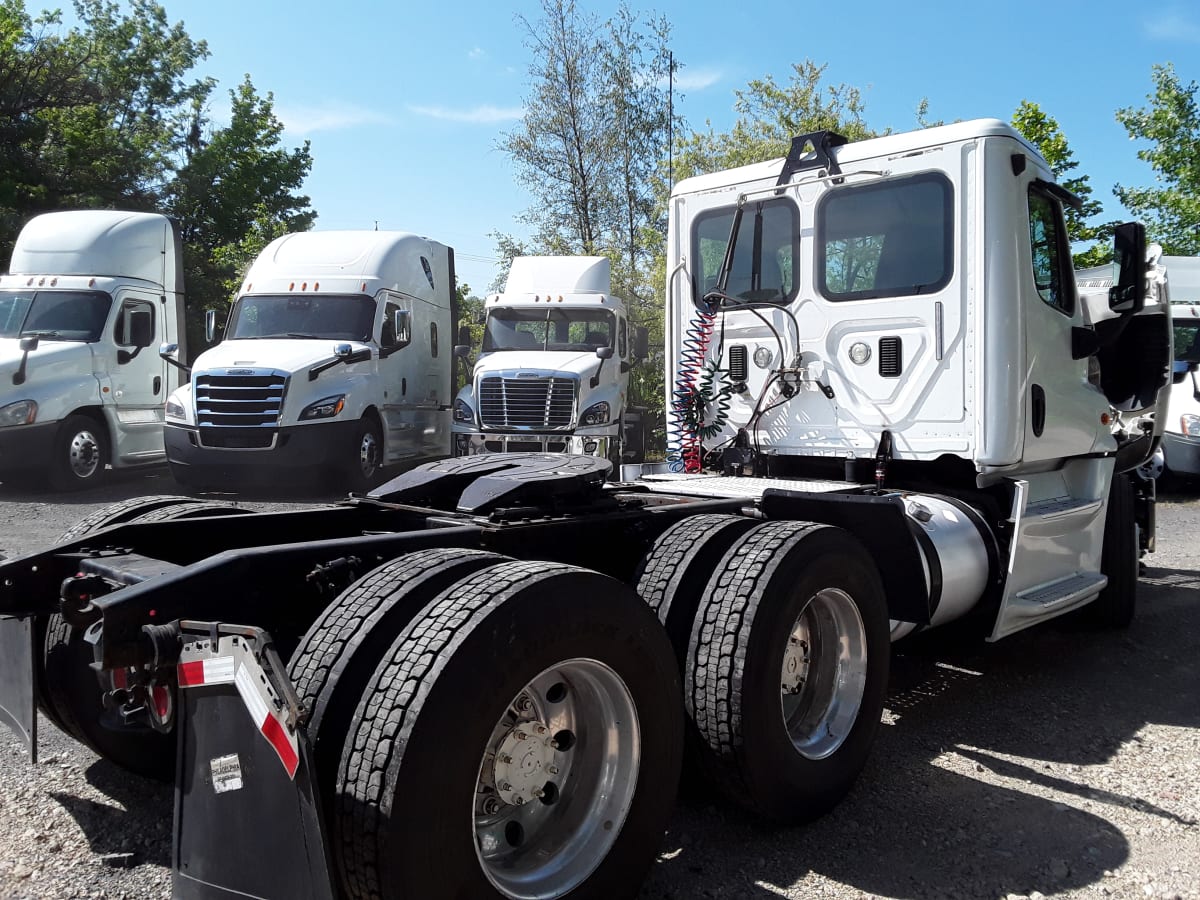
point(18, 706)
point(247, 821)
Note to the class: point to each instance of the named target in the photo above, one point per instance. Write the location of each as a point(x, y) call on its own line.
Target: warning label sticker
point(226, 773)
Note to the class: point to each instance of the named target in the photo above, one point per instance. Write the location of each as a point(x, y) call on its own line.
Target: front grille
point(239, 401)
point(237, 438)
point(526, 402)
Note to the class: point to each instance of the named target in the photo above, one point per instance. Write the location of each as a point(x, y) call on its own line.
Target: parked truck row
point(336, 359)
point(891, 409)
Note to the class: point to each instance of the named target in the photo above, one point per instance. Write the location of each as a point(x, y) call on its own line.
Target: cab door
point(137, 377)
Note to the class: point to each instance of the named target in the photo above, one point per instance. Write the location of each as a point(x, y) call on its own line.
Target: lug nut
point(521, 736)
point(519, 801)
point(504, 758)
point(553, 770)
point(504, 786)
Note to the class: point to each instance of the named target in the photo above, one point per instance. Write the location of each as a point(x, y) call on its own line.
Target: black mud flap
point(247, 820)
point(18, 706)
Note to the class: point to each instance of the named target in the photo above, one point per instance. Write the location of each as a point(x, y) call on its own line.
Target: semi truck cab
point(553, 370)
point(88, 294)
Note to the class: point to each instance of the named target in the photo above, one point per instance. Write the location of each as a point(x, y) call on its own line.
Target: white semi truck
point(891, 410)
point(89, 297)
point(335, 363)
point(553, 371)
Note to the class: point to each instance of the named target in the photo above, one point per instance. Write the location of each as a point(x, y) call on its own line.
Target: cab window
point(1051, 253)
point(765, 259)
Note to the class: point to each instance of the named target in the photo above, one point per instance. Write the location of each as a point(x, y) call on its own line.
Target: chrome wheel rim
point(824, 674)
point(556, 780)
point(368, 454)
point(83, 454)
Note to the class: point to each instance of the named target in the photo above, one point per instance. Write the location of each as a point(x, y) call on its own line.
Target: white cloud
point(476, 53)
point(1172, 26)
point(327, 117)
point(485, 115)
point(689, 79)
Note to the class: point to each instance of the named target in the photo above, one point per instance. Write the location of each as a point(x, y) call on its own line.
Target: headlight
point(174, 409)
point(463, 412)
point(23, 412)
point(324, 409)
point(596, 414)
point(1189, 425)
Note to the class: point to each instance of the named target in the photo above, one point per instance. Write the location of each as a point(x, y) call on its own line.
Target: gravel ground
point(1053, 763)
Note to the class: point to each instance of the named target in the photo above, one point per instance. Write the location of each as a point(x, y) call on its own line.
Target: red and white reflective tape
point(270, 722)
point(214, 670)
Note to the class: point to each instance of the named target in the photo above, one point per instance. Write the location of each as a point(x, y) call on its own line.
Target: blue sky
point(404, 104)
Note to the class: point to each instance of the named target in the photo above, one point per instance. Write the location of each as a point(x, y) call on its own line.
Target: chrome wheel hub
point(824, 674)
point(556, 780)
point(84, 454)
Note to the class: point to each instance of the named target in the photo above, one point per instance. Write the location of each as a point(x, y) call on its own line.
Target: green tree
point(1171, 126)
point(594, 132)
point(769, 115)
point(234, 193)
point(1044, 133)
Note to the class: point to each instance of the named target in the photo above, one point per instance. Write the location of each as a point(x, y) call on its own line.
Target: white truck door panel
point(137, 379)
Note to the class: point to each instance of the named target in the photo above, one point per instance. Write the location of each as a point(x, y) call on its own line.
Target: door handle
point(157, 384)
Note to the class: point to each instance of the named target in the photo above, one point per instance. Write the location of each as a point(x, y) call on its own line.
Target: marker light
point(860, 353)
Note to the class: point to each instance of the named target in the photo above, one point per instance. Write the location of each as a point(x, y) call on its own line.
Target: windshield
point(338, 317)
point(54, 315)
point(1187, 341)
point(547, 329)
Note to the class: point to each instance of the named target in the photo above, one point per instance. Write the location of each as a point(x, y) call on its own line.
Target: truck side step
point(1045, 601)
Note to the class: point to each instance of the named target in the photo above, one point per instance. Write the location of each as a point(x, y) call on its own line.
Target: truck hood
point(51, 357)
point(288, 355)
point(564, 362)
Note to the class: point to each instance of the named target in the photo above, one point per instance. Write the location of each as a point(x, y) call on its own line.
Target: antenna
point(670, 119)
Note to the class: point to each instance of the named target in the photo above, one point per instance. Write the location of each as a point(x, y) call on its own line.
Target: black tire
point(452, 681)
point(364, 466)
point(676, 570)
point(79, 455)
point(780, 579)
point(71, 695)
point(338, 654)
point(1115, 606)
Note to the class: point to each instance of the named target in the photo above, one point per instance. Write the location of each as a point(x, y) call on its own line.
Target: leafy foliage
point(1171, 125)
point(105, 114)
point(1044, 133)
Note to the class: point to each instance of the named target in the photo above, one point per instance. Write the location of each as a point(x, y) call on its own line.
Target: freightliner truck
point(335, 363)
point(553, 370)
point(890, 410)
point(89, 297)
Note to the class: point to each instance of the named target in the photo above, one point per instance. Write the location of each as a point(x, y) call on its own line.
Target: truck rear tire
point(544, 699)
point(69, 692)
point(1115, 606)
point(79, 455)
point(674, 573)
point(337, 655)
point(787, 668)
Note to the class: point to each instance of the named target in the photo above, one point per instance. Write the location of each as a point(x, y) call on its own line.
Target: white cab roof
point(858, 151)
point(559, 275)
point(103, 243)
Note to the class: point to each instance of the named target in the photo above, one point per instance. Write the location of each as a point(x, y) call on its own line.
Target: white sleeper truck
point(890, 410)
point(89, 297)
point(553, 371)
point(335, 363)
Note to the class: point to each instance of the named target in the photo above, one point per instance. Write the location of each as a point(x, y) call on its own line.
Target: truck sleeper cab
point(334, 364)
point(553, 370)
point(88, 293)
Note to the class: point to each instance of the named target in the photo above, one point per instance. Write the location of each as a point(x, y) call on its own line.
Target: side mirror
point(641, 343)
point(462, 351)
point(1128, 294)
point(141, 328)
point(403, 324)
point(29, 344)
point(210, 325)
point(341, 351)
point(167, 349)
point(464, 335)
point(604, 352)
